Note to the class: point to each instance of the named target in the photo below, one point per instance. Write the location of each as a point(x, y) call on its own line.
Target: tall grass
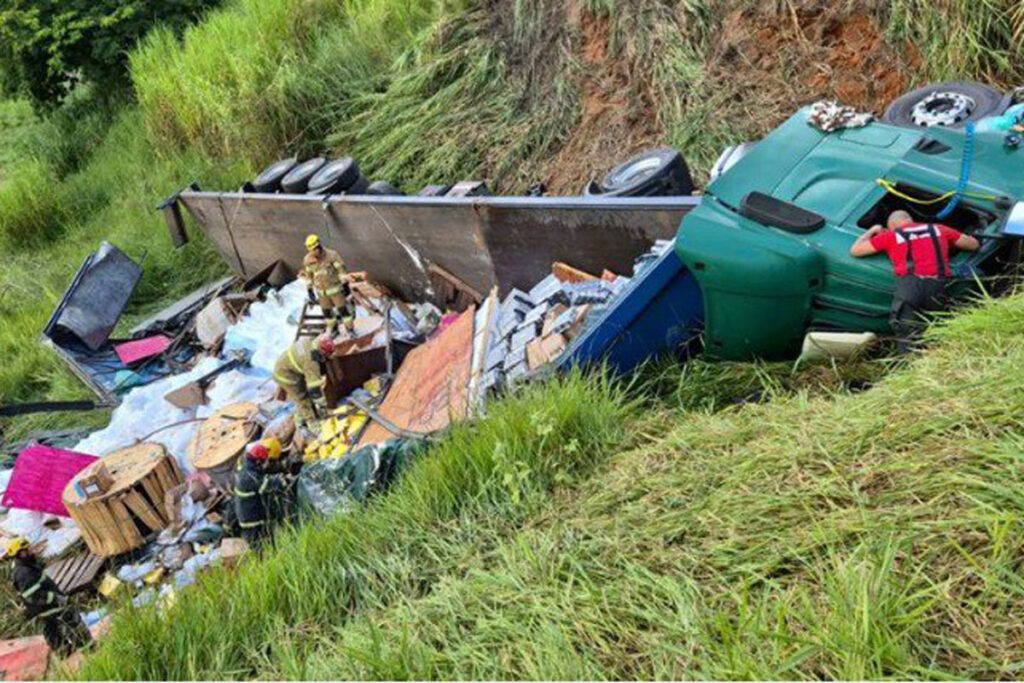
point(874, 535)
point(247, 82)
point(964, 39)
point(490, 474)
point(456, 109)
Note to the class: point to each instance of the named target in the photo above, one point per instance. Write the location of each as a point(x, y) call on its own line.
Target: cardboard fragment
point(430, 389)
point(24, 659)
point(566, 273)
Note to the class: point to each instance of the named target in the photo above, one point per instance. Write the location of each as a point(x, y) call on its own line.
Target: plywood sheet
point(430, 389)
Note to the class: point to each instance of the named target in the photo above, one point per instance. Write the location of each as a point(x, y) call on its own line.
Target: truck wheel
point(658, 173)
point(950, 104)
point(335, 177)
point(297, 179)
point(382, 188)
point(269, 180)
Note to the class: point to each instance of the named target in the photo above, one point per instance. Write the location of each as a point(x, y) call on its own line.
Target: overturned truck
point(759, 260)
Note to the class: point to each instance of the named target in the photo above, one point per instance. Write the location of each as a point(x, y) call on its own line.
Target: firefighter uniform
point(254, 487)
point(299, 374)
point(42, 600)
point(324, 271)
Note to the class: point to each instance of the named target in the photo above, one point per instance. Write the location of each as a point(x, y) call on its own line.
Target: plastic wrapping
point(332, 486)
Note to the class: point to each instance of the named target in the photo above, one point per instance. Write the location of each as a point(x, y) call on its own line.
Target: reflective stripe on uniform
point(245, 494)
point(31, 591)
point(295, 363)
point(280, 379)
point(48, 613)
point(250, 525)
point(331, 292)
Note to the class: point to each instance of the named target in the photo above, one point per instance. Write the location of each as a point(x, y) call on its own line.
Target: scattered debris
point(157, 507)
point(24, 659)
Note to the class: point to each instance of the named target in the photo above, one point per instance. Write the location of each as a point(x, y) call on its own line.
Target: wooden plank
point(144, 511)
point(430, 389)
point(153, 492)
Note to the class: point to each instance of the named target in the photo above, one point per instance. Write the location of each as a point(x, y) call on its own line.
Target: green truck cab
point(769, 243)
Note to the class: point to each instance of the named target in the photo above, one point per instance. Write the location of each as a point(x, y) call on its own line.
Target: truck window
point(966, 217)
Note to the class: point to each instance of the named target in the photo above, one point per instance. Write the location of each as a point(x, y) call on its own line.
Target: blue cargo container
point(661, 310)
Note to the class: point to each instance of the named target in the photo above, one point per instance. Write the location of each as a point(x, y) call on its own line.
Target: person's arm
point(966, 243)
point(863, 246)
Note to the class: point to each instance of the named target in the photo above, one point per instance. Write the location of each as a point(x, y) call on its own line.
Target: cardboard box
point(95, 484)
point(544, 350)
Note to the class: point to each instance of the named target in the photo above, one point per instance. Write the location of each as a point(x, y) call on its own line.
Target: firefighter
point(919, 253)
point(41, 599)
point(255, 486)
point(300, 372)
point(327, 283)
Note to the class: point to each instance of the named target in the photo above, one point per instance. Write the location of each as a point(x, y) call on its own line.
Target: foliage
point(48, 46)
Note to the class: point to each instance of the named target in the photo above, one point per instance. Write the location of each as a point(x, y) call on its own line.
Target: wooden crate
point(132, 508)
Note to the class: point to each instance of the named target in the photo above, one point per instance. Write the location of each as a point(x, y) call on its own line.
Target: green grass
point(50, 224)
point(486, 476)
point(251, 81)
point(961, 38)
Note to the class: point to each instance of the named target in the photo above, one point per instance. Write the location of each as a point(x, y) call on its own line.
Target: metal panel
point(484, 241)
point(93, 303)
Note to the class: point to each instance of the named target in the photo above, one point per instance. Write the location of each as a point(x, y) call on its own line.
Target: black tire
point(360, 186)
point(335, 177)
point(269, 179)
point(297, 180)
point(986, 102)
point(658, 173)
point(382, 188)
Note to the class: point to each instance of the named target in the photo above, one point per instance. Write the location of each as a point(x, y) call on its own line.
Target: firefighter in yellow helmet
point(327, 282)
point(43, 601)
point(300, 372)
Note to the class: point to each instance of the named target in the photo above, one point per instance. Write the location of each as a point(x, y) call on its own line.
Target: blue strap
point(965, 171)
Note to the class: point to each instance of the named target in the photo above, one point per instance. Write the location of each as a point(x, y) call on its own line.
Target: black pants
point(64, 632)
point(914, 302)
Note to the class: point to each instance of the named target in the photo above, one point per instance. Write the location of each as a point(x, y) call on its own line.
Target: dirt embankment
point(758, 63)
point(617, 118)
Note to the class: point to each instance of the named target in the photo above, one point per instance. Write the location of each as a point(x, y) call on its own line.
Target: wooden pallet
point(132, 508)
point(76, 572)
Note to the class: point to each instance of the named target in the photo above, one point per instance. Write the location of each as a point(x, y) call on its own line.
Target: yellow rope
point(891, 188)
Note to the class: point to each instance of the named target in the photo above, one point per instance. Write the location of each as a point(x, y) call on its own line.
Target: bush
point(48, 46)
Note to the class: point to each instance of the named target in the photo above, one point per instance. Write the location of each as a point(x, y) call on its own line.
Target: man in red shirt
point(920, 260)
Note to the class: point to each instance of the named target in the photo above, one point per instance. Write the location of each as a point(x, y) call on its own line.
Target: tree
point(48, 46)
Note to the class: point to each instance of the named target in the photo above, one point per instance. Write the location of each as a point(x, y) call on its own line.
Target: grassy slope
point(416, 91)
point(848, 535)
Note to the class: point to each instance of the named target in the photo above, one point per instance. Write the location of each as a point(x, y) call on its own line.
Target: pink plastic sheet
point(141, 349)
point(40, 475)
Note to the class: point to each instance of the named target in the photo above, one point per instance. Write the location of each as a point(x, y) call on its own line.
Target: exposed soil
point(780, 59)
point(618, 118)
point(761, 64)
